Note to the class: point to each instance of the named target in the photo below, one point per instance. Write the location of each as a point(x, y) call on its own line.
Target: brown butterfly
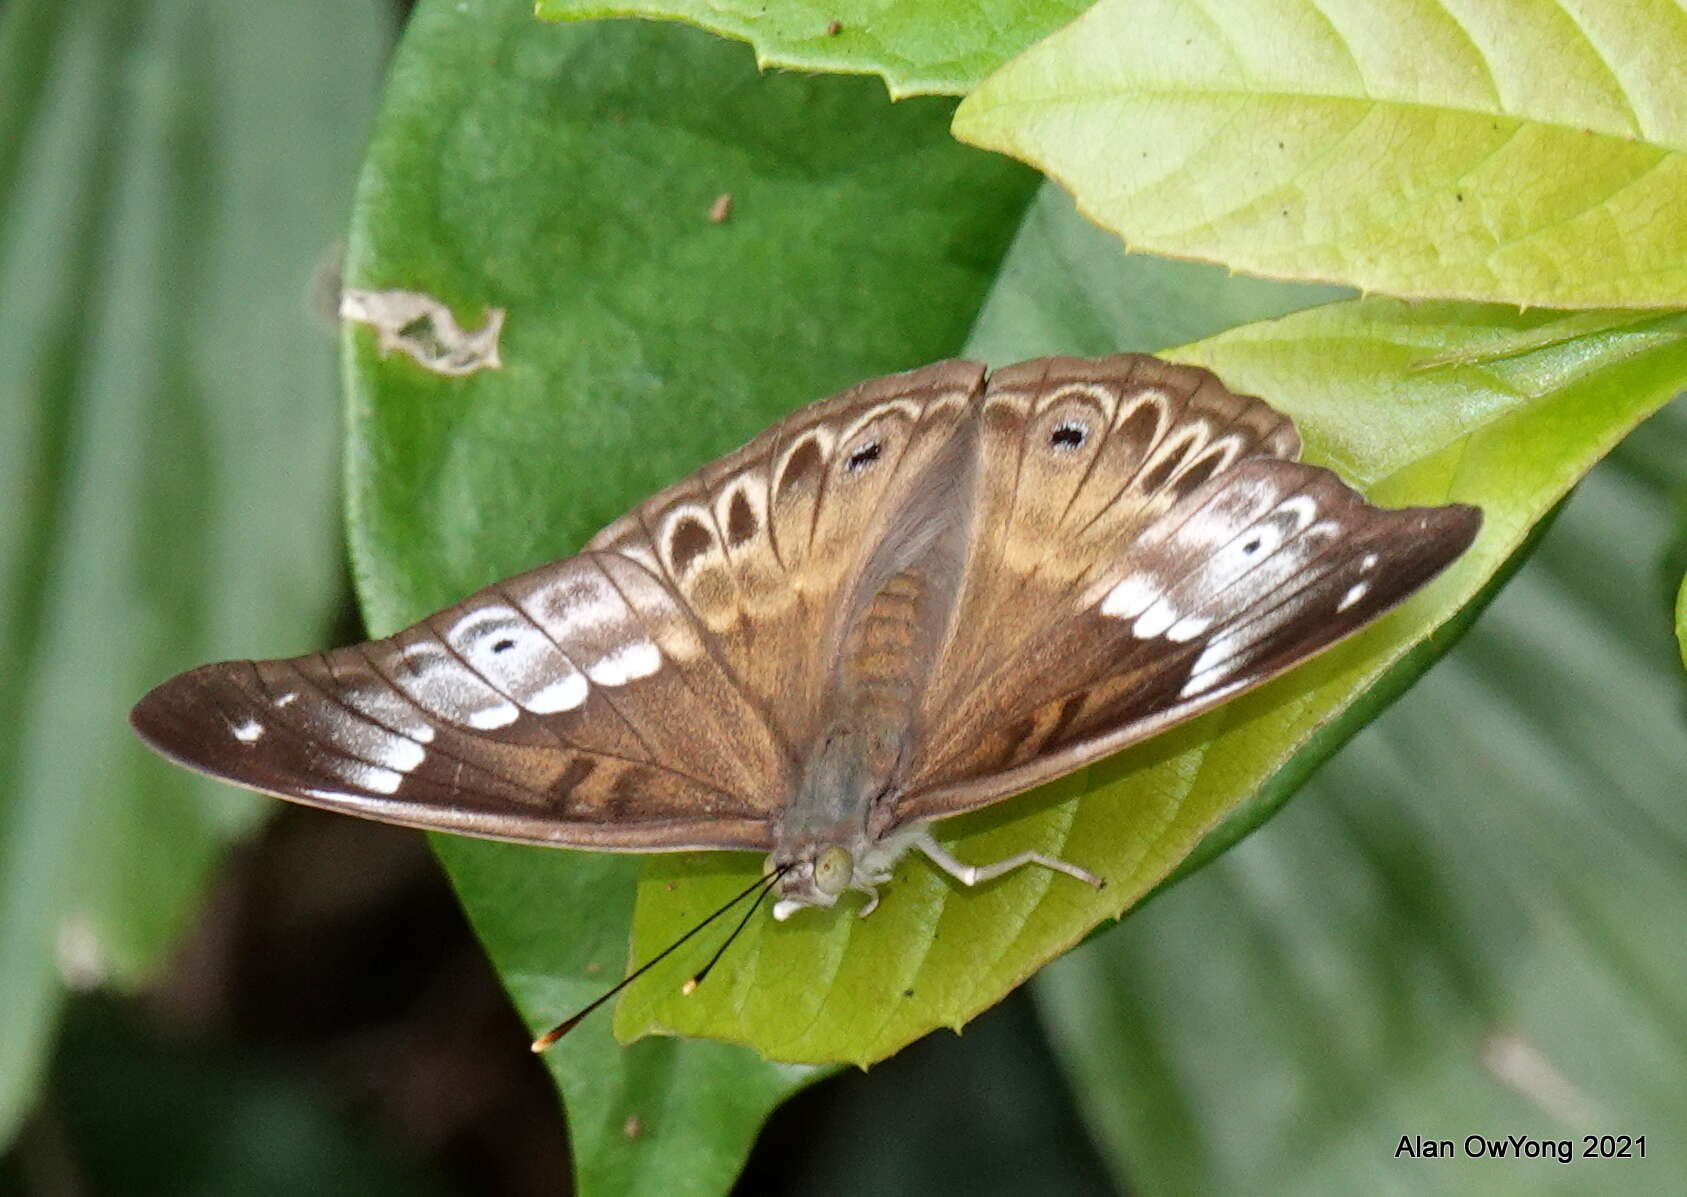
point(923, 595)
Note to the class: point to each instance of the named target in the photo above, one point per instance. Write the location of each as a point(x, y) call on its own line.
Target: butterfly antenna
point(696, 978)
point(764, 884)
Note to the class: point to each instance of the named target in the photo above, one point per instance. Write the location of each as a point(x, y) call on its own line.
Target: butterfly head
point(817, 878)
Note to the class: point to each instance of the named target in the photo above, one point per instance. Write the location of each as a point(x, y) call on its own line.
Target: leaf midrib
point(1237, 93)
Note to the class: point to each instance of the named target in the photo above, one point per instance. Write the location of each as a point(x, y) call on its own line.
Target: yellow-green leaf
point(1519, 151)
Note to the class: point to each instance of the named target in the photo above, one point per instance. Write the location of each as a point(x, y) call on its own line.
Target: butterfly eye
point(1069, 435)
point(863, 457)
point(833, 870)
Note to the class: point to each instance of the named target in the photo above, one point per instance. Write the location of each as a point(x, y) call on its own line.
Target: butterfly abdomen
point(867, 731)
point(879, 669)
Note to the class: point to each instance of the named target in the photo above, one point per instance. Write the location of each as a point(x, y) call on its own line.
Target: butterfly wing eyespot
point(1069, 435)
point(863, 456)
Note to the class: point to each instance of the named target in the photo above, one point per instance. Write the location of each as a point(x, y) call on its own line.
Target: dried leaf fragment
point(424, 329)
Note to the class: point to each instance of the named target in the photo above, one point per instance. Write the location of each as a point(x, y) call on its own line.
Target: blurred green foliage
point(172, 172)
point(1517, 151)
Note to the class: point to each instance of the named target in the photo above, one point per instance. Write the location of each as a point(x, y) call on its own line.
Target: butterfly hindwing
point(1261, 564)
point(1076, 458)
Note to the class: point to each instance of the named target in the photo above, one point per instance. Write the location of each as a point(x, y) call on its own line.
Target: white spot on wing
point(578, 603)
point(626, 664)
point(1224, 656)
point(377, 701)
point(248, 730)
point(1354, 593)
point(403, 755)
point(1303, 508)
point(563, 694)
point(1131, 597)
point(1369, 561)
point(366, 776)
point(438, 682)
point(517, 658)
point(1154, 621)
point(1187, 628)
point(373, 742)
point(488, 718)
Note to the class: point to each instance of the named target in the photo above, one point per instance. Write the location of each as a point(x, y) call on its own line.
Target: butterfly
point(915, 598)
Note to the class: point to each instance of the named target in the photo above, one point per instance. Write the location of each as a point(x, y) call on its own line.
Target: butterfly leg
point(977, 874)
point(872, 892)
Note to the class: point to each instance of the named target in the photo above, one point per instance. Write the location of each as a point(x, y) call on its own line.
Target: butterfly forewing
point(653, 692)
point(574, 705)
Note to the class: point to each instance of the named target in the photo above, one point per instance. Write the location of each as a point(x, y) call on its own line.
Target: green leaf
point(1512, 150)
point(919, 47)
point(534, 168)
point(1456, 929)
point(1681, 621)
point(1510, 419)
point(171, 173)
point(1068, 287)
